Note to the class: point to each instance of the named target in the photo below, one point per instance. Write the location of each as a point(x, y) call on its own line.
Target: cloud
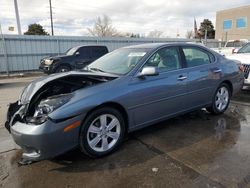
point(73, 17)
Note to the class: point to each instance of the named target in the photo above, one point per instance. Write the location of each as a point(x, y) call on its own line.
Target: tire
point(95, 137)
point(62, 68)
point(220, 105)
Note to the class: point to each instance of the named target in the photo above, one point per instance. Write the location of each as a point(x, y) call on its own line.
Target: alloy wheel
point(222, 98)
point(103, 133)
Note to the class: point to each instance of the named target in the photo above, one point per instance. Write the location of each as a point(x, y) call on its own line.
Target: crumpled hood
point(30, 90)
point(243, 58)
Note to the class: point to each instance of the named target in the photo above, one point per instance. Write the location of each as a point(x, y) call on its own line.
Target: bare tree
point(189, 34)
point(155, 34)
point(103, 27)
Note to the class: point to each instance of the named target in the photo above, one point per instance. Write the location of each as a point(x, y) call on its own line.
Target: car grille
point(246, 70)
point(42, 62)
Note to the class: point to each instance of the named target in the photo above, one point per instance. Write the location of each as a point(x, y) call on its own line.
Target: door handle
point(181, 78)
point(217, 71)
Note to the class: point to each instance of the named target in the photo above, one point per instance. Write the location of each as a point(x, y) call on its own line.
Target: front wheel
point(221, 100)
point(63, 68)
point(102, 132)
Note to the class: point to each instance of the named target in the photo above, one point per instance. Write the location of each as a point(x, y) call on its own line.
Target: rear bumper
point(247, 81)
point(238, 83)
point(46, 140)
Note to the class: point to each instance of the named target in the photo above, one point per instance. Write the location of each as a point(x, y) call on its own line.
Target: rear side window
point(99, 51)
point(235, 44)
point(196, 57)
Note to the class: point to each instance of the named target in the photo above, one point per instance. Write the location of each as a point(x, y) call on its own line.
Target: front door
point(157, 97)
point(83, 57)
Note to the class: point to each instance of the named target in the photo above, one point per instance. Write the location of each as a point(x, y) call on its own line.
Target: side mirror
point(235, 51)
point(148, 71)
point(77, 54)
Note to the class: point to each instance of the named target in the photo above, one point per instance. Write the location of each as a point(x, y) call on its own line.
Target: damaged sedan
point(123, 91)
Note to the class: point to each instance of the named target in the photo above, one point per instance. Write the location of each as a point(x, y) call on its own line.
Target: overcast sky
point(72, 17)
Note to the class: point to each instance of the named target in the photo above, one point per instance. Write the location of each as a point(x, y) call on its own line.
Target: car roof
point(91, 45)
point(157, 45)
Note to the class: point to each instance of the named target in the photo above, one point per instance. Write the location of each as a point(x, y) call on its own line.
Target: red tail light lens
point(241, 68)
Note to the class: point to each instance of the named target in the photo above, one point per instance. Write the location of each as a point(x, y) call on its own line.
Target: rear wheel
point(102, 132)
point(221, 99)
point(63, 68)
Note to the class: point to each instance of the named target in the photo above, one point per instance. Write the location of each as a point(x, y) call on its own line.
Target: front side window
point(165, 59)
point(227, 24)
point(98, 51)
point(241, 22)
point(196, 57)
point(84, 52)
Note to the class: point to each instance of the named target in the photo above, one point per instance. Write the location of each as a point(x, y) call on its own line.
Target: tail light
point(241, 68)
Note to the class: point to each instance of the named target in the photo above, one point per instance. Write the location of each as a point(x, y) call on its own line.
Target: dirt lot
point(194, 150)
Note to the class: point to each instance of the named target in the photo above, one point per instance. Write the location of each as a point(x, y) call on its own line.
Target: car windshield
point(245, 49)
point(71, 51)
point(119, 62)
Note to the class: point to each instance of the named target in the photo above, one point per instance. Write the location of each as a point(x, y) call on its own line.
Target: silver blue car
point(123, 91)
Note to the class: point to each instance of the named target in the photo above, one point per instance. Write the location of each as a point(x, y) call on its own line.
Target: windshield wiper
point(96, 69)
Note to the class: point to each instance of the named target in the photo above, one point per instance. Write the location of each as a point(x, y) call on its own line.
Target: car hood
point(58, 57)
point(30, 90)
point(243, 58)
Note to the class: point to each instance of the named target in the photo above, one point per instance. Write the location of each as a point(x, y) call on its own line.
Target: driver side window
point(165, 59)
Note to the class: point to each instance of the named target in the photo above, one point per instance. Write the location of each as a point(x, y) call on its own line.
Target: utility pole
point(17, 18)
point(206, 36)
point(51, 18)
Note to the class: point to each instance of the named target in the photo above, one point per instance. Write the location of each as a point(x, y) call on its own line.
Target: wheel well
point(230, 85)
point(116, 106)
point(64, 64)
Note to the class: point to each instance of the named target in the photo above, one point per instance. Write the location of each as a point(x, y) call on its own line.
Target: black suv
point(75, 58)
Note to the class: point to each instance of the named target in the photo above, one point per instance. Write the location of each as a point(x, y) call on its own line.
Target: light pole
point(17, 18)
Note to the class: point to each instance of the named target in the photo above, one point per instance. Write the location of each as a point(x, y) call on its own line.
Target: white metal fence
point(23, 52)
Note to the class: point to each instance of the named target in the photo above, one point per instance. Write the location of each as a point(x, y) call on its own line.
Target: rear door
point(204, 74)
point(157, 97)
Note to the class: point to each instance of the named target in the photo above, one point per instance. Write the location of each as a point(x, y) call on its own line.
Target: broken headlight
point(47, 106)
point(48, 61)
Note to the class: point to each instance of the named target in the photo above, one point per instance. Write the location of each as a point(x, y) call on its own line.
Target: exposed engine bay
point(49, 97)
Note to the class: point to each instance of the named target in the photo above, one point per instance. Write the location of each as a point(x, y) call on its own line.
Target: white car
point(231, 47)
point(243, 55)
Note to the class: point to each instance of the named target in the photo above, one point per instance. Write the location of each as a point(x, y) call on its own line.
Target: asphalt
point(194, 150)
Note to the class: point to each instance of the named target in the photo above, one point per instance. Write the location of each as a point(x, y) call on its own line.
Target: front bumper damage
point(29, 119)
point(43, 141)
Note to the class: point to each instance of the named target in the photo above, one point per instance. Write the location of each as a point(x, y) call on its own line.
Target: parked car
point(75, 58)
point(123, 91)
point(243, 55)
point(231, 46)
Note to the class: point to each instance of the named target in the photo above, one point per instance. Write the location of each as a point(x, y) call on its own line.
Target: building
point(233, 24)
